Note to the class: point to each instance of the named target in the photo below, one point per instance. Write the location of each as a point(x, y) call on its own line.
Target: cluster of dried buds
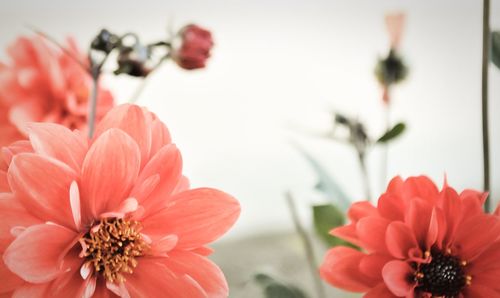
point(189, 49)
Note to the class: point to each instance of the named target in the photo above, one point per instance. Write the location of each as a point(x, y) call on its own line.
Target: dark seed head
point(444, 276)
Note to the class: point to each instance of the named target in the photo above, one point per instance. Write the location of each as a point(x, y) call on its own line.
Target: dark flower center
point(112, 247)
point(444, 276)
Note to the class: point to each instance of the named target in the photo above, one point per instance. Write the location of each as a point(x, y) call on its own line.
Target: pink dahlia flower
point(195, 45)
point(107, 217)
point(418, 242)
point(43, 84)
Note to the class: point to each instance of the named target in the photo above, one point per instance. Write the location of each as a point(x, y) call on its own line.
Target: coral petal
point(197, 217)
point(109, 171)
point(199, 268)
point(45, 198)
point(59, 142)
point(153, 279)
point(371, 230)
point(36, 254)
point(400, 240)
point(395, 275)
point(340, 269)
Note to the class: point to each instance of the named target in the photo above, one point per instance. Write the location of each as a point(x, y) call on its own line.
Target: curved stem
point(364, 176)
point(138, 91)
point(61, 47)
point(311, 258)
point(484, 96)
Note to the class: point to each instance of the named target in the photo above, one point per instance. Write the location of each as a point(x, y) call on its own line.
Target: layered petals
point(414, 241)
point(111, 216)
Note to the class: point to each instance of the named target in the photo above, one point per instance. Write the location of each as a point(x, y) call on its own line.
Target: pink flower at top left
point(43, 83)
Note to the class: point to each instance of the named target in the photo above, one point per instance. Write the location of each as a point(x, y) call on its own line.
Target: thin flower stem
point(365, 176)
point(484, 96)
point(138, 91)
point(385, 148)
point(311, 258)
point(93, 101)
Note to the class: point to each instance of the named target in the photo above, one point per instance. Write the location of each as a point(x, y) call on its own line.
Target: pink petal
point(197, 217)
point(203, 251)
point(420, 187)
point(400, 240)
point(451, 205)
point(74, 199)
point(340, 269)
point(477, 291)
point(13, 215)
point(4, 183)
point(70, 283)
point(391, 207)
point(167, 163)
point(347, 233)
point(396, 275)
point(109, 171)
point(129, 119)
point(200, 269)
point(182, 185)
point(475, 235)
point(359, 210)
point(371, 231)
point(10, 281)
point(160, 136)
point(36, 255)
point(489, 259)
point(379, 291)
point(32, 291)
point(42, 185)
point(164, 245)
point(153, 279)
point(418, 219)
point(371, 265)
point(16, 148)
point(145, 187)
point(57, 141)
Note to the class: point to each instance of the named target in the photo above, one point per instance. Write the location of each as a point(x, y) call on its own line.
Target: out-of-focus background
point(280, 66)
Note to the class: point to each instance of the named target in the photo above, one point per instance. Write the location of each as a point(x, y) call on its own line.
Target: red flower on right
point(418, 242)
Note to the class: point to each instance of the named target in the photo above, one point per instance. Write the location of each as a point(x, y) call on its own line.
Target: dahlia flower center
point(112, 247)
point(444, 276)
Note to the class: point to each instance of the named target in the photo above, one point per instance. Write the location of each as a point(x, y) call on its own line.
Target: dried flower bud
point(105, 41)
point(391, 70)
point(194, 48)
point(133, 61)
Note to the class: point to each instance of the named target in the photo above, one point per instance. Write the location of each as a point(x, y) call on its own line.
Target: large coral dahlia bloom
point(112, 216)
point(418, 242)
point(41, 83)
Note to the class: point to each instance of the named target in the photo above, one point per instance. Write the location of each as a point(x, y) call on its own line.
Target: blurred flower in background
point(43, 83)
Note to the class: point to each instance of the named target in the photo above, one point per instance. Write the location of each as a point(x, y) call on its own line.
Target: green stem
point(484, 96)
point(364, 175)
point(311, 258)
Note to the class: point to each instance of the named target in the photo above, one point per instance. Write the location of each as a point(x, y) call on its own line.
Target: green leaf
point(274, 288)
point(326, 183)
point(392, 133)
point(495, 48)
point(327, 217)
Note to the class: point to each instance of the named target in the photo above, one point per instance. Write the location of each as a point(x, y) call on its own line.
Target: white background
point(283, 64)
